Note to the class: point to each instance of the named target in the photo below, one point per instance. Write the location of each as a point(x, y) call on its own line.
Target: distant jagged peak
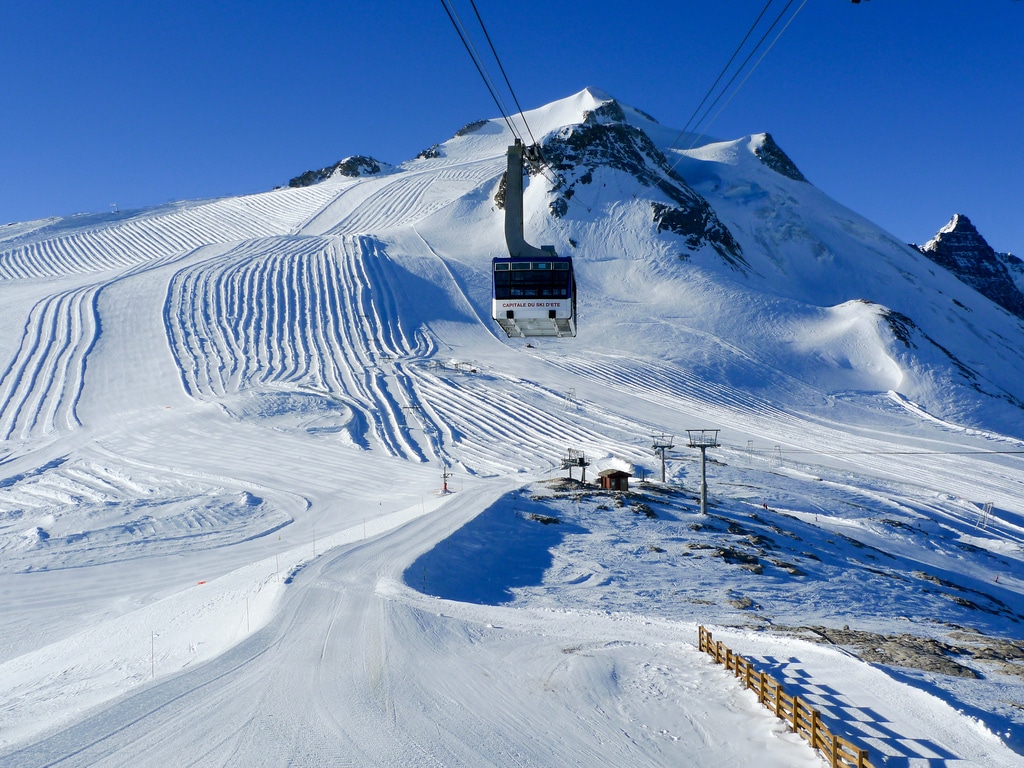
point(959, 234)
point(771, 154)
point(960, 248)
point(354, 167)
point(960, 226)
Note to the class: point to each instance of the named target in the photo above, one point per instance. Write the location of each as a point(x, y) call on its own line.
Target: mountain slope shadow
point(506, 546)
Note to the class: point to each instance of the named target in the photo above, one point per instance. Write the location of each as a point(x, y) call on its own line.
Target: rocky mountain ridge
point(961, 249)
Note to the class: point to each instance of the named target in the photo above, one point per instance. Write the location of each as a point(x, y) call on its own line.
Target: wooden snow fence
point(840, 752)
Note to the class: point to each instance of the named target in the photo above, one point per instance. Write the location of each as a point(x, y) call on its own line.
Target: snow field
point(209, 392)
point(186, 628)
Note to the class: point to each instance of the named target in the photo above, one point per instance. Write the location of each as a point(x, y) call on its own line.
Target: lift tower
point(703, 439)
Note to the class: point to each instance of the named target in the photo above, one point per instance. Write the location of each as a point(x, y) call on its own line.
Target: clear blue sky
point(904, 110)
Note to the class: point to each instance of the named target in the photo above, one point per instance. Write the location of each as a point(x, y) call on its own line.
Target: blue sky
point(904, 110)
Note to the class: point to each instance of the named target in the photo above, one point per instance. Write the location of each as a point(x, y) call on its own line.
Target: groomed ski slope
point(224, 428)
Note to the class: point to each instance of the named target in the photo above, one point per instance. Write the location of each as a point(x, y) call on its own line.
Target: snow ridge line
point(163, 232)
point(42, 384)
point(403, 198)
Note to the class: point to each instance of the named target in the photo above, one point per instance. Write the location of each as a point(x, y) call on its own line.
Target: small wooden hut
point(614, 479)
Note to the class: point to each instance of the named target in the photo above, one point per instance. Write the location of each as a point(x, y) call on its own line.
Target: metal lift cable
point(740, 68)
point(522, 115)
point(752, 70)
point(724, 70)
point(460, 30)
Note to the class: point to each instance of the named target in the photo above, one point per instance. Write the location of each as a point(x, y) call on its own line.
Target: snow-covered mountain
point(223, 423)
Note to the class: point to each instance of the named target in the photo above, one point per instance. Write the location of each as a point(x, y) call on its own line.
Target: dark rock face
point(434, 150)
point(961, 249)
point(359, 165)
point(469, 128)
point(771, 154)
point(604, 139)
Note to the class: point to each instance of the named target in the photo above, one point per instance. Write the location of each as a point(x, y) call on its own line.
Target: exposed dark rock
point(609, 112)
point(358, 165)
point(644, 114)
point(639, 508)
point(961, 249)
point(789, 568)
point(698, 224)
point(434, 150)
point(499, 195)
point(903, 650)
point(735, 556)
point(542, 519)
point(771, 154)
point(605, 140)
point(900, 325)
point(469, 128)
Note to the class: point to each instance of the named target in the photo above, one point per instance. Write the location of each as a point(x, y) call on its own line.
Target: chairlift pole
point(662, 443)
point(703, 439)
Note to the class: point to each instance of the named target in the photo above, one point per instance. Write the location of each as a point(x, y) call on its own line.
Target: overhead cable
point(453, 16)
point(724, 70)
point(732, 79)
point(522, 114)
point(752, 69)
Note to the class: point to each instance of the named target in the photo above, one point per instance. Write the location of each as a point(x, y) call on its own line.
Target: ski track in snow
point(736, 410)
point(150, 236)
point(85, 510)
point(42, 383)
point(314, 313)
point(319, 314)
point(488, 427)
point(394, 201)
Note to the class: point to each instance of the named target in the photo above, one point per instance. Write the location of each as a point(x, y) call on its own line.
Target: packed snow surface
point(225, 426)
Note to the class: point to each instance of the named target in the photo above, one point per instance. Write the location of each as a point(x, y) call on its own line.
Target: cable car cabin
point(534, 296)
point(533, 291)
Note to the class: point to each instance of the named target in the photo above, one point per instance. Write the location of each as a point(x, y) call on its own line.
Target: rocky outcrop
point(605, 140)
point(961, 249)
point(358, 165)
point(771, 154)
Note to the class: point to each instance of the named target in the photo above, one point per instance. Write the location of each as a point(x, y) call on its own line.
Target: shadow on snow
point(506, 546)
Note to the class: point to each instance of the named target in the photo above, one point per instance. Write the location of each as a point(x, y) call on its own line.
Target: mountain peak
point(771, 154)
point(596, 94)
point(959, 224)
point(961, 249)
point(959, 235)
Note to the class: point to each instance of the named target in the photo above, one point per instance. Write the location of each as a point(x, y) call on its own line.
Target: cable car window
point(532, 279)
